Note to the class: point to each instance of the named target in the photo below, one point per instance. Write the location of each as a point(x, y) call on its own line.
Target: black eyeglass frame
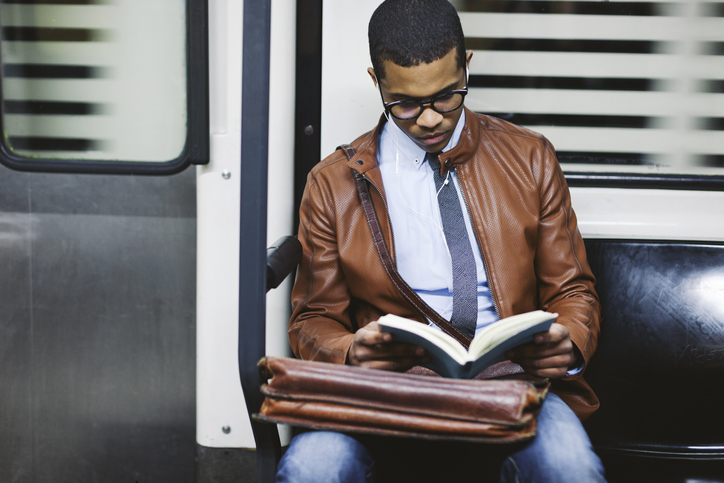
point(427, 102)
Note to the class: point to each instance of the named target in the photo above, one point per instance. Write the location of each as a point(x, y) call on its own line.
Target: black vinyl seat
point(658, 371)
point(659, 367)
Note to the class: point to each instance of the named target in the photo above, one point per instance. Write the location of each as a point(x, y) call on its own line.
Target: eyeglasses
point(408, 110)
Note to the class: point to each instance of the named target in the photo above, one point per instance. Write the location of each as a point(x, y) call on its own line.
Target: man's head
point(412, 32)
point(418, 53)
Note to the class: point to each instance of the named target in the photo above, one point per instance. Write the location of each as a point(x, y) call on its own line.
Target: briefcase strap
point(384, 254)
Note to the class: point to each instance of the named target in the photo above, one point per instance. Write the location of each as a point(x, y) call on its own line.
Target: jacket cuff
point(575, 371)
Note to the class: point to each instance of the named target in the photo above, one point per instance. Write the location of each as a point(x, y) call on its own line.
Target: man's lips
point(432, 138)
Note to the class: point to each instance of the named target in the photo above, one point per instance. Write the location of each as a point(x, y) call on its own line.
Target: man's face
point(431, 130)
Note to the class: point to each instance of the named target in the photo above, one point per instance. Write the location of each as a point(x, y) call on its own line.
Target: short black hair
point(411, 32)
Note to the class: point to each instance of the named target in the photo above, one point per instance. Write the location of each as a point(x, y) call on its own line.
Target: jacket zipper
point(482, 254)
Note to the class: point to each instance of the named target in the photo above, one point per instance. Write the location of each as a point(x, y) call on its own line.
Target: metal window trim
point(645, 181)
point(196, 148)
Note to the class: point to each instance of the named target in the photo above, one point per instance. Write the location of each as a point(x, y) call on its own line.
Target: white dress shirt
point(421, 253)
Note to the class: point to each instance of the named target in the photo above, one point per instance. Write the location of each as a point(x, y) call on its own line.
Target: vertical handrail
point(252, 254)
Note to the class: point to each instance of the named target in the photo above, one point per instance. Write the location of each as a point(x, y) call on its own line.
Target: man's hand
point(550, 354)
point(373, 348)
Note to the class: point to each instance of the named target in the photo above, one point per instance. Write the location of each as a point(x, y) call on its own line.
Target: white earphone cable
point(434, 222)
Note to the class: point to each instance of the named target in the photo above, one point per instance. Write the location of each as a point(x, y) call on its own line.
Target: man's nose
point(429, 118)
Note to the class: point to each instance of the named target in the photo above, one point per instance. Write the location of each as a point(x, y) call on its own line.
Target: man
point(522, 246)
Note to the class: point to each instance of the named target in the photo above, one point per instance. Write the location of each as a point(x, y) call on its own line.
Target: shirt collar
point(409, 151)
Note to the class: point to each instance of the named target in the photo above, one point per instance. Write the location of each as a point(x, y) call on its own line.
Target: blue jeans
point(561, 452)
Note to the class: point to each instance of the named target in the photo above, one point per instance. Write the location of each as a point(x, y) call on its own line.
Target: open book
point(451, 359)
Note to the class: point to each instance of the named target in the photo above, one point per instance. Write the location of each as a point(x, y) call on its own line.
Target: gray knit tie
point(464, 272)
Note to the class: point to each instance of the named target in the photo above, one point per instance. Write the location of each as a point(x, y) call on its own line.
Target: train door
point(97, 307)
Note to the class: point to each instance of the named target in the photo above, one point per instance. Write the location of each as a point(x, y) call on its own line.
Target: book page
point(505, 329)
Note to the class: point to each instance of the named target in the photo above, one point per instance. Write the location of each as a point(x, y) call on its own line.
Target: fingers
point(371, 334)
point(398, 364)
point(392, 350)
point(553, 367)
point(392, 356)
point(537, 351)
point(556, 341)
point(375, 349)
point(549, 355)
point(555, 334)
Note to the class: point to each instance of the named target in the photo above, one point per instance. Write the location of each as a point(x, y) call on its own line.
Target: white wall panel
point(220, 400)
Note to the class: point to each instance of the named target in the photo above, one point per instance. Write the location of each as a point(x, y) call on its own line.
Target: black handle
point(281, 258)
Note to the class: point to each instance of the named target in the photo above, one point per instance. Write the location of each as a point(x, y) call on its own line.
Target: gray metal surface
point(223, 465)
point(97, 328)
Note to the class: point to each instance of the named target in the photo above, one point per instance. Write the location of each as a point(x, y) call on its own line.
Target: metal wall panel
point(97, 328)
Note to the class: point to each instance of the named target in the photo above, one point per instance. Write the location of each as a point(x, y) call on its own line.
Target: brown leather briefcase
point(354, 399)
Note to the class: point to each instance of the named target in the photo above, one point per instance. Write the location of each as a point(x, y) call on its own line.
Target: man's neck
point(409, 149)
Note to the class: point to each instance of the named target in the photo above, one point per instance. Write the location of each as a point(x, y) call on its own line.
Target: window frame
point(578, 176)
point(644, 181)
point(196, 149)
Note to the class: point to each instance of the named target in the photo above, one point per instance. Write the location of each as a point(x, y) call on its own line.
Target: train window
point(626, 91)
point(104, 86)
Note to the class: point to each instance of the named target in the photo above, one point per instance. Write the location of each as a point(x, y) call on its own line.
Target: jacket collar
point(365, 158)
point(466, 146)
point(366, 147)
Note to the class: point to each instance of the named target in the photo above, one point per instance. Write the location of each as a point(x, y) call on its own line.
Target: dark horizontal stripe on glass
point(712, 48)
point(710, 123)
point(566, 45)
point(576, 120)
point(37, 143)
point(51, 71)
point(583, 157)
point(712, 9)
point(54, 107)
point(577, 8)
point(56, 2)
point(576, 83)
point(712, 86)
point(711, 160)
point(37, 34)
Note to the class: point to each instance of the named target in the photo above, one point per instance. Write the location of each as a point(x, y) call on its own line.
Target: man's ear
point(371, 72)
point(468, 58)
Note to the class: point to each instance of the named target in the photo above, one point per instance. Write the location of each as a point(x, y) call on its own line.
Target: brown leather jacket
point(520, 210)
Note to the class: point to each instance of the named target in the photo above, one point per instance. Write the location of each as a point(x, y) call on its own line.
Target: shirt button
point(417, 161)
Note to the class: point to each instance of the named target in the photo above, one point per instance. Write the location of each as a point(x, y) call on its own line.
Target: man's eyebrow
point(449, 87)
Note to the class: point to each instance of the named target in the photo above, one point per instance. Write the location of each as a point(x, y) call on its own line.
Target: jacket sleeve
point(565, 281)
point(320, 327)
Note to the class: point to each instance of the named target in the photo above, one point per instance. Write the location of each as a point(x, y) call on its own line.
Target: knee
point(554, 468)
point(561, 451)
point(325, 456)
